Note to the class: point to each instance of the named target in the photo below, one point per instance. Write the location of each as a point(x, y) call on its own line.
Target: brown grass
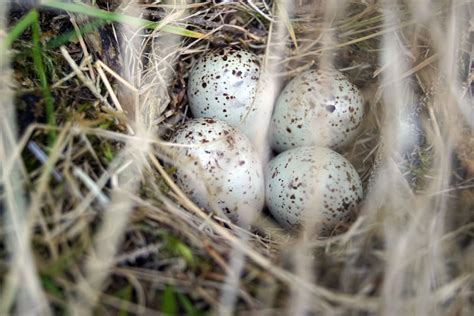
point(100, 227)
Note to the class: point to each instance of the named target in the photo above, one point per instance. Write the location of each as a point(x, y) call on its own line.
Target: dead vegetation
point(92, 221)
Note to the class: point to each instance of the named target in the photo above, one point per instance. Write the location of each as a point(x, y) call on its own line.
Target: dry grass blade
point(22, 288)
point(285, 276)
point(98, 221)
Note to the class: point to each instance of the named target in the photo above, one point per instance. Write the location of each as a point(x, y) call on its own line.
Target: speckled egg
point(318, 107)
point(223, 85)
point(219, 169)
point(312, 186)
point(408, 148)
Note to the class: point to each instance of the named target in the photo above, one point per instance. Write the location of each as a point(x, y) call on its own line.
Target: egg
point(220, 169)
point(408, 148)
point(223, 85)
point(318, 107)
point(312, 186)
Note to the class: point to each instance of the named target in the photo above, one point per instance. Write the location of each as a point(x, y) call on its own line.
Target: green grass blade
point(179, 248)
point(20, 27)
point(71, 35)
point(125, 294)
point(50, 286)
point(117, 17)
point(41, 73)
point(169, 305)
point(187, 305)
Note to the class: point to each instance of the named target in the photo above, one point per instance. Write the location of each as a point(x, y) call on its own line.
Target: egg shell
point(221, 169)
point(318, 107)
point(223, 84)
point(312, 185)
point(408, 148)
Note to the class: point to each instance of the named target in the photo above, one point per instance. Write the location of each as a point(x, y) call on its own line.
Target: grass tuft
point(17, 30)
point(121, 18)
point(41, 73)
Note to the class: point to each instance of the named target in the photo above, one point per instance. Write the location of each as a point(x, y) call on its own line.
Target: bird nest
point(92, 219)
